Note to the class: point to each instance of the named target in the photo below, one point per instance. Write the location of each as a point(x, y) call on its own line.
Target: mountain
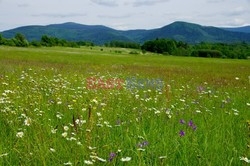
point(182, 31)
point(69, 31)
point(245, 29)
point(194, 33)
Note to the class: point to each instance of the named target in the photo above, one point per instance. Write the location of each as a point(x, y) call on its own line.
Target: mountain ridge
point(99, 34)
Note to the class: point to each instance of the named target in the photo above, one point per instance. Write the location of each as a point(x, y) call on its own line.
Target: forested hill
point(98, 34)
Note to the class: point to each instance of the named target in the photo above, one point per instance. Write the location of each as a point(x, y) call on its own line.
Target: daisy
point(126, 159)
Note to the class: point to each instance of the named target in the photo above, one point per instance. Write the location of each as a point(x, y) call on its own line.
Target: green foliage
point(20, 40)
point(1, 39)
point(207, 53)
point(214, 50)
point(160, 46)
point(35, 43)
point(123, 44)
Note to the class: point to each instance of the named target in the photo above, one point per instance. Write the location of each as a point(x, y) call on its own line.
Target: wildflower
point(98, 114)
point(140, 149)
point(87, 162)
point(182, 133)
point(27, 122)
point(92, 148)
point(98, 158)
point(145, 143)
point(112, 156)
point(182, 121)
point(79, 143)
point(245, 159)
point(53, 131)
point(20, 134)
point(2, 155)
point(52, 150)
point(68, 163)
point(162, 157)
point(194, 127)
point(190, 123)
point(66, 128)
point(65, 134)
point(126, 159)
point(237, 78)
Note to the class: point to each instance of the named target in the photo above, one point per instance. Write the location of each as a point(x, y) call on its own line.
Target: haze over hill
point(181, 31)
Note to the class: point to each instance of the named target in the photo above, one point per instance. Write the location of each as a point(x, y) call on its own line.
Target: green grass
point(47, 87)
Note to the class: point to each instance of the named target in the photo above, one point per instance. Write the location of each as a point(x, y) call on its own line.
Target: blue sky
point(124, 14)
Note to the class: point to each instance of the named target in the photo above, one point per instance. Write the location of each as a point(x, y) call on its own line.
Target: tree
point(20, 40)
point(1, 39)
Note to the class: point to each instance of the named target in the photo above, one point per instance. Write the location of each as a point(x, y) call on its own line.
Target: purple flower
point(190, 123)
point(118, 122)
point(145, 143)
point(141, 145)
point(182, 133)
point(112, 156)
point(194, 128)
point(200, 88)
point(182, 121)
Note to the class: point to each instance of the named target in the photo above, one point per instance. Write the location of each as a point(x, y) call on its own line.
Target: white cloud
point(109, 3)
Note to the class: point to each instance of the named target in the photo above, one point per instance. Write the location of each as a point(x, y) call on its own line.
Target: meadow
point(48, 116)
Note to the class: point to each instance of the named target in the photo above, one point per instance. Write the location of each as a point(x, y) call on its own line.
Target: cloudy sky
point(124, 14)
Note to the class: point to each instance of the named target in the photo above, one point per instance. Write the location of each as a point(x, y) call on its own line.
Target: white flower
point(72, 139)
point(66, 128)
point(20, 134)
point(65, 134)
point(98, 114)
point(92, 148)
point(157, 112)
point(95, 101)
point(140, 149)
point(53, 131)
point(162, 157)
point(98, 158)
point(52, 150)
point(68, 163)
point(237, 78)
point(27, 122)
point(248, 104)
point(126, 159)
point(245, 159)
point(79, 143)
point(87, 162)
point(2, 155)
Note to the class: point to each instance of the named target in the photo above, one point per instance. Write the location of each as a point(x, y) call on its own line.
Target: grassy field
point(48, 116)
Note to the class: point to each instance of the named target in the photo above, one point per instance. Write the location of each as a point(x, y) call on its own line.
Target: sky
point(124, 14)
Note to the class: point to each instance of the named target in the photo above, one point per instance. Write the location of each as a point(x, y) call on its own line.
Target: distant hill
point(245, 29)
point(187, 32)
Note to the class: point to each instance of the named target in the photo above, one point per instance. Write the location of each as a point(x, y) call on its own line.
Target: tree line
point(161, 46)
point(213, 50)
point(46, 41)
point(123, 44)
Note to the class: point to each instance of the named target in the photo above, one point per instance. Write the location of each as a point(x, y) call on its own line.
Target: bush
point(207, 53)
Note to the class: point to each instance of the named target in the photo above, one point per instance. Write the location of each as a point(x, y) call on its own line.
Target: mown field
point(48, 116)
